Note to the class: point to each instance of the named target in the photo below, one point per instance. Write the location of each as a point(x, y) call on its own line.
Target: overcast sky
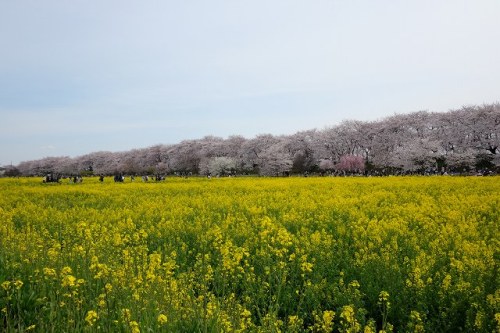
point(82, 76)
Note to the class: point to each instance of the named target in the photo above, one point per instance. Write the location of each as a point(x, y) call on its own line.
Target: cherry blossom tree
point(275, 161)
point(458, 140)
point(220, 166)
point(326, 165)
point(351, 164)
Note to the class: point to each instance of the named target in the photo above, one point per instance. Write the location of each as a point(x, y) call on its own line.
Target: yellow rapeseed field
point(397, 254)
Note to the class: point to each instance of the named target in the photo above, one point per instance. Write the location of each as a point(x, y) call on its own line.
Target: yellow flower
point(497, 319)
point(328, 317)
point(383, 300)
point(295, 324)
point(18, 284)
point(245, 313)
point(416, 324)
point(293, 319)
point(91, 317)
point(68, 281)
point(6, 285)
point(306, 267)
point(446, 282)
point(383, 296)
point(370, 327)
point(211, 308)
point(126, 314)
point(323, 322)
point(134, 327)
point(49, 272)
point(162, 319)
point(66, 271)
point(348, 319)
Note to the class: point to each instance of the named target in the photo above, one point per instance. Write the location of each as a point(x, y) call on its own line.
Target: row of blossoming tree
point(457, 141)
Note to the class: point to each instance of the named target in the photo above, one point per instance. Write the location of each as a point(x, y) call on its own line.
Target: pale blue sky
point(82, 76)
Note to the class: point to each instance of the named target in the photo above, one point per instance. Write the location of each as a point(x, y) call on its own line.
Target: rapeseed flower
point(91, 317)
point(68, 281)
point(162, 319)
point(6, 285)
point(251, 254)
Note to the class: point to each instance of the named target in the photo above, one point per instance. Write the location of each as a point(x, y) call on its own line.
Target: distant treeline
point(458, 141)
